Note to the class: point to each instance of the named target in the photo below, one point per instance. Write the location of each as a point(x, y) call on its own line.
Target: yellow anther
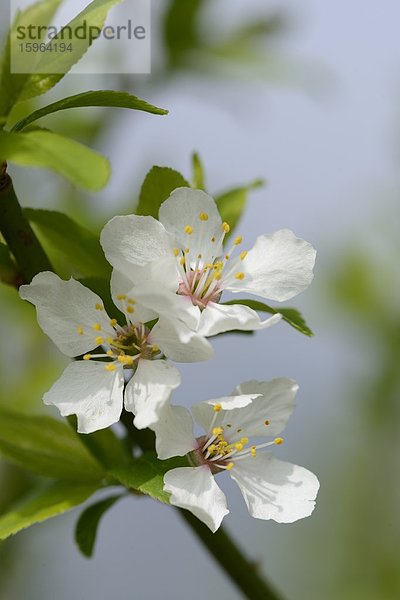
point(187, 250)
point(238, 430)
point(226, 256)
point(175, 251)
point(99, 306)
point(110, 353)
point(111, 367)
point(155, 348)
point(203, 216)
point(230, 466)
point(182, 261)
point(239, 275)
point(218, 265)
point(99, 340)
point(217, 407)
point(121, 297)
point(109, 340)
point(218, 276)
point(188, 229)
point(80, 329)
point(238, 240)
point(225, 227)
point(243, 255)
point(130, 309)
point(121, 359)
point(213, 239)
point(239, 446)
point(244, 440)
point(131, 301)
point(87, 357)
point(217, 430)
point(212, 448)
point(97, 327)
point(278, 441)
point(253, 451)
point(199, 256)
point(129, 360)
point(267, 422)
point(113, 322)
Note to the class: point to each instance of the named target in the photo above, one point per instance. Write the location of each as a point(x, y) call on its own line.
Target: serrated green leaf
point(80, 165)
point(11, 85)
point(198, 173)
point(290, 315)
point(78, 246)
point(157, 186)
point(46, 447)
point(94, 15)
point(95, 98)
point(87, 525)
point(45, 503)
point(232, 204)
point(146, 475)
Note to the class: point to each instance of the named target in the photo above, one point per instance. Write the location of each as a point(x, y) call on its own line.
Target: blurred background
point(304, 95)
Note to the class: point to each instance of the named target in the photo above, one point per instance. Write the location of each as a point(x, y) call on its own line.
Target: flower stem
point(17, 232)
point(241, 571)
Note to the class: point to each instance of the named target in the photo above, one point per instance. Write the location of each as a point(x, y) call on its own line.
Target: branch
point(18, 234)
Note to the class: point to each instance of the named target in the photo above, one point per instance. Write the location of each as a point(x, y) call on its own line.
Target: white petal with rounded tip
point(183, 208)
point(274, 489)
point(172, 305)
point(149, 390)
point(204, 412)
point(217, 318)
point(134, 240)
point(179, 343)
point(63, 307)
point(278, 267)
point(194, 488)
point(275, 404)
point(174, 432)
point(122, 285)
point(87, 390)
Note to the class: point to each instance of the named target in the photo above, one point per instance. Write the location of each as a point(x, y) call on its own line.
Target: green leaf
point(11, 85)
point(157, 186)
point(80, 165)
point(79, 246)
point(104, 445)
point(46, 447)
point(231, 204)
point(290, 315)
point(198, 173)
point(94, 15)
point(181, 33)
point(87, 525)
point(96, 98)
point(146, 475)
point(45, 503)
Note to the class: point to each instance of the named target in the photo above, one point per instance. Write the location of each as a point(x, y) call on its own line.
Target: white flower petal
point(87, 390)
point(179, 343)
point(120, 284)
point(217, 318)
point(204, 412)
point(274, 489)
point(183, 208)
point(66, 311)
point(172, 305)
point(134, 240)
point(149, 390)
point(278, 267)
point(275, 404)
point(194, 488)
point(174, 432)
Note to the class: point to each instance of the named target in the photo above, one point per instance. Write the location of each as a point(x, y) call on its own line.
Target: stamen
point(188, 229)
point(278, 441)
point(130, 309)
point(217, 407)
point(243, 255)
point(121, 297)
point(238, 240)
point(99, 306)
point(99, 340)
point(110, 368)
point(113, 322)
point(239, 275)
point(80, 329)
point(175, 251)
point(87, 356)
point(97, 327)
point(225, 227)
point(203, 216)
point(267, 422)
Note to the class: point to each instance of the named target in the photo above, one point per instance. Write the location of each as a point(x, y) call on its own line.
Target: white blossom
point(75, 319)
point(272, 488)
point(183, 254)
